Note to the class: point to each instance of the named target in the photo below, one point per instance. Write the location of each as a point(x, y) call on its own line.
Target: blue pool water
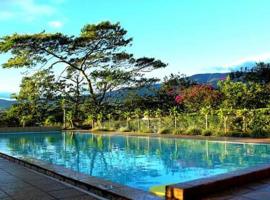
point(139, 162)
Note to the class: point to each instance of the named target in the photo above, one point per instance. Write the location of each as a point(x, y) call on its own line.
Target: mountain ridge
point(203, 78)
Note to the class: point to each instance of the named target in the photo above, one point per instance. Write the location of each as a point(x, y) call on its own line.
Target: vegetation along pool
point(139, 162)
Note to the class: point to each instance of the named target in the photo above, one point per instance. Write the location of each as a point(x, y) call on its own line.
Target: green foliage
point(207, 132)
point(260, 133)
point(258, 74)
point(198, 96)
point(50, 121)
point(235, 133)
point(165, 131)
point(178, 131)
point(96, 66)
point(146, 130)
point(239, 95)
point(124, 129)
point(99, 129)
point(96, 59)
point(194, 131)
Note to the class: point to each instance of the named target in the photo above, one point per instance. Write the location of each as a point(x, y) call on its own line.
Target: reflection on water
point(139, 162)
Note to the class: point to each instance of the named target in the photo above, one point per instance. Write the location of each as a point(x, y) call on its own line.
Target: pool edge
point(101, 187)
point(201, 188)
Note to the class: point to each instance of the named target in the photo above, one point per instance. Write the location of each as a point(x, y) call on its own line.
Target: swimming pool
point(138, 162)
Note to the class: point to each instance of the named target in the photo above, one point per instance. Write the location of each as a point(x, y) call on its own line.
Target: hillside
point(209, 78)
point(4, 104)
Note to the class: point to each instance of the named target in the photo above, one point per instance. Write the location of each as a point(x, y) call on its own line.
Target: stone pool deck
point(255, 191)
point(20, 183)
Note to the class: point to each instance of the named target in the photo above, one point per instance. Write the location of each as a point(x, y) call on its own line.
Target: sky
point(192, 36)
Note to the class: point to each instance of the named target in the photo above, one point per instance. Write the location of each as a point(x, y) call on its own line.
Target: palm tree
point(109, 116)
point(100, 119)
point(206, 111)
point(63, 105)
point(69, 118)
point(147, 116)
point(158, 115)
point(224, 115)
point(244, 113)
point(127, 116)
point(174, 113)
point(91, 120)
point(138, 114)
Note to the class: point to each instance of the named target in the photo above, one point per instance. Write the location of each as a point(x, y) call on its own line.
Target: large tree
point(37, 100)
point(240, 95)
point(98, 54)
point(196, 97)
point(170, 88)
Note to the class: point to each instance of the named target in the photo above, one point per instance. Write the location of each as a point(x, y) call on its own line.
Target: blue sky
point(192, 36)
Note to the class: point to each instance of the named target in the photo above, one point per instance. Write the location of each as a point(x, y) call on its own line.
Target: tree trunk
point(206, 122)
point(64, 118)
point(225, 124)
point(139, 125)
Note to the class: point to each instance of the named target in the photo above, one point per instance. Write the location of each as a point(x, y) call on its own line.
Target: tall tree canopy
point(98, 54)
point(38, 99)
point(260, 73)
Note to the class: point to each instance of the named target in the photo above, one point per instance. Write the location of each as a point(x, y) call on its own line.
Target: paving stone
point(239, 198)
point(67, 193)
point(258, 195)
point(3, 195)
point(33, 197)
point(256, 191)
point(51, 187)
point(18, 186)
point(20, 183)
point(85, 197)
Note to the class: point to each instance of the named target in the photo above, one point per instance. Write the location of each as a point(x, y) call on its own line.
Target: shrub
point(207, 133)
point(259, 133)
point(101, 129)
point(147, 130)
point(194, 131)
point(164, 131)
point(124, 129)
point(178, 131)
point(235, 133)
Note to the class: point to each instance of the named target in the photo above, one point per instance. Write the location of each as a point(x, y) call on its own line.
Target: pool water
point(139, 162)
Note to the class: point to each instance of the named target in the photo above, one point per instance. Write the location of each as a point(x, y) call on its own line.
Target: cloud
point(55, 24)
point(242, 62)
point(26, 10)
point(257, 58)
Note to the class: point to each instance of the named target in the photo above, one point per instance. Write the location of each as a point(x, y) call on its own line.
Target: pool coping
point(197, 137)
point(201, 188)
point(100, 187)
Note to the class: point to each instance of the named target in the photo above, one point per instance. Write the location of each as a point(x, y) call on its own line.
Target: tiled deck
point(20, 183)
point(255, 191)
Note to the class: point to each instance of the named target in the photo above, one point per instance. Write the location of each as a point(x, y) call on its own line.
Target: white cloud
point(248, 62)
point(257, 58)
point(26, 10)
point(55, 24)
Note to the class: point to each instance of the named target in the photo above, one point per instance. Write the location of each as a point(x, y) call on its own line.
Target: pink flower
point(179, 99)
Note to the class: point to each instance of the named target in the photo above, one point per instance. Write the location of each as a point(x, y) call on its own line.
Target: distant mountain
point(209, 78)
point(5, 95)
point(4, 104)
